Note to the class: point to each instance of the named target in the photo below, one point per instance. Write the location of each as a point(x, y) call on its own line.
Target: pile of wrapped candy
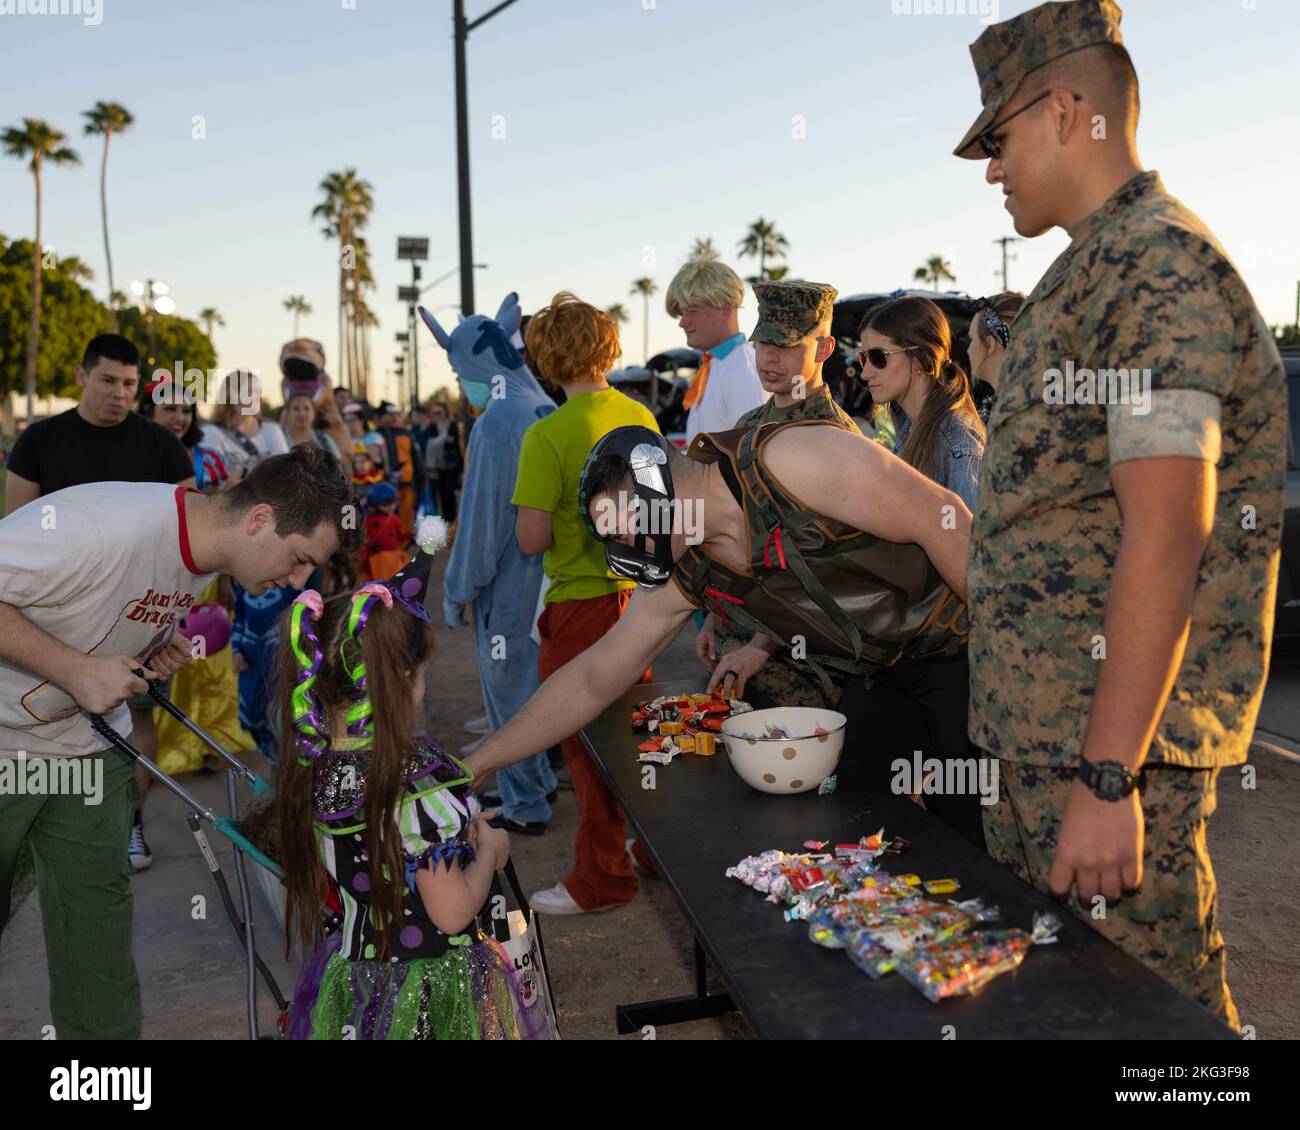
point(684, 723)
point(890, 923)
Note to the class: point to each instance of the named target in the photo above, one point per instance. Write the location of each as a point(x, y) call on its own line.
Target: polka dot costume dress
point(429, 985)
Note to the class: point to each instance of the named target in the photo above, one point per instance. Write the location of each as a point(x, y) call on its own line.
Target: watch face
point(1110, 783)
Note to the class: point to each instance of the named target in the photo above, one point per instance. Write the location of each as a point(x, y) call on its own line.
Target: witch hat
point(410, 584)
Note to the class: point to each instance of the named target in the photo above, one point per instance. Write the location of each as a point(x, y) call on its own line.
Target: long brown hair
point(918, 324)
point(393, 645)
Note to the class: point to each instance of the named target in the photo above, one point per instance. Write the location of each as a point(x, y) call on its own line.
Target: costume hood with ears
point(482, 354)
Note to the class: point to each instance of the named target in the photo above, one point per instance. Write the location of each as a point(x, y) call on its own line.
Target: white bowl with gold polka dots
point(785, 765)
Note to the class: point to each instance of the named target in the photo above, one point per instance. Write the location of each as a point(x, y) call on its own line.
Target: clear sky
point(630, 127)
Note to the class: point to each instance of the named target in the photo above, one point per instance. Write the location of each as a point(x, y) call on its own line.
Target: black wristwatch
point(1109, 780)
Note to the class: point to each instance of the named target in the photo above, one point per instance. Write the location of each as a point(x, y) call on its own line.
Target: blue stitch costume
point(253, 635)
point(487, 567)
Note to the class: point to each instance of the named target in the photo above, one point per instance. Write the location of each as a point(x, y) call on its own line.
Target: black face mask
point(649, 559)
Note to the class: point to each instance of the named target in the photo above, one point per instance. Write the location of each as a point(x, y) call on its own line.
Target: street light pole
point(461, 30)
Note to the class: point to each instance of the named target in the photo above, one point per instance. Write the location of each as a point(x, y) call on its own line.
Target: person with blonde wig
point(704, 297)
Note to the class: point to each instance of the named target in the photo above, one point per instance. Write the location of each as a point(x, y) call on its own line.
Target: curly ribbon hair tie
point(313, 600)
point(360, 717)
point(309, 727)
point(379, 589)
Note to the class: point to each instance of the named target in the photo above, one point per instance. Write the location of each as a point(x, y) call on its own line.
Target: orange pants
point(602, 872)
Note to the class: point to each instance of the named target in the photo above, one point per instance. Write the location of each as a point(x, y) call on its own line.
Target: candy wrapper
point(682, 724)
point(809, 890)
point(769, 872)
point(963, 964)
point(872, 904)
point(892, 931)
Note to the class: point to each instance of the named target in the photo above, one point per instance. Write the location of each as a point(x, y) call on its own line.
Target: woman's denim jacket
point(957, 454)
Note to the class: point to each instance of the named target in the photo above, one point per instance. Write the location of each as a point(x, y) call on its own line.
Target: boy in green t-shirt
point(573, 344)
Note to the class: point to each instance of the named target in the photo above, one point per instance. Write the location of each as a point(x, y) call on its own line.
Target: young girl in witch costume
point(388, 822)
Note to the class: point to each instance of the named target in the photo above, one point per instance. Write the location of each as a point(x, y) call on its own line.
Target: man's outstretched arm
point(585, 686)
point(850, 479)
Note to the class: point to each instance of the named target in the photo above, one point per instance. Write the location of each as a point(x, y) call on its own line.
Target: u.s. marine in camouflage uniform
point(790, 313)
point(1124, 555)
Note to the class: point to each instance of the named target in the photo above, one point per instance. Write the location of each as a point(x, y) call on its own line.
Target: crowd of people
point(1065, 590)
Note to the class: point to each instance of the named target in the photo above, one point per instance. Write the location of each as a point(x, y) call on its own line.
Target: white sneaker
point(466, 750)
point(478, 725)
point(557, 900)
point(137, 850)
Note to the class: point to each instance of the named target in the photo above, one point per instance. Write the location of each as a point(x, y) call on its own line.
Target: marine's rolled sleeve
point(1180, 421)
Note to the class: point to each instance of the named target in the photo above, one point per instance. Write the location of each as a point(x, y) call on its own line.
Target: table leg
point(676, 1010)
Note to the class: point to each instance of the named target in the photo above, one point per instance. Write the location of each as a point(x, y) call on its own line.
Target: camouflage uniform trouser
point(1170, 924)
point(783, 680)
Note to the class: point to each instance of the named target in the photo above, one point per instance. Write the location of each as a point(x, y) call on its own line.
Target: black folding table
point(700, 818)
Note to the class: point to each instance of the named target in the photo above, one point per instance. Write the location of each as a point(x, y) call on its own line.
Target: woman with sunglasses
point(906, 359)
point(990, 334)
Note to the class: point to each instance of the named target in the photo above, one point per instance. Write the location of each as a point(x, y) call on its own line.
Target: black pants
point(445, 489)
point(918, 706)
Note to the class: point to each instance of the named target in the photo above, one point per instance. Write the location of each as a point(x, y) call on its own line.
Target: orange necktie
point(696, 392)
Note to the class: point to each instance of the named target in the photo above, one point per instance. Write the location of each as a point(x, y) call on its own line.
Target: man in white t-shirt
point(704, 297)
point(93, 581)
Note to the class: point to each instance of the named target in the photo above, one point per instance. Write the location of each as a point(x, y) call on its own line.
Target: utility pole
point(416, 249)
point(461, 30)
point(1004, 241)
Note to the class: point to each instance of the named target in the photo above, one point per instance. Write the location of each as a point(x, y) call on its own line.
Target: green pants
point(1170, 924)
point(84, 879)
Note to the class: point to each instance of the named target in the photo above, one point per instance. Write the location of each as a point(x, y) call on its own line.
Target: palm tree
point(762, 239)
point(210, 317)
point(645, 288)
point(42, 142)
point(346, 208)
point(107, 118)
point(703, 247)
point(117, 300)
point(360, 316)
point(936, 269)
point(363, 319)
point(297, 305)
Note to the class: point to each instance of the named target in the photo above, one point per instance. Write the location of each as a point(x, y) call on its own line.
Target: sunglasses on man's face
point(877, 358)
point(991, 145)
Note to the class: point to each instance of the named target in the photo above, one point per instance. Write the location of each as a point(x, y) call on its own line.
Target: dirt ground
point(191, 968)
